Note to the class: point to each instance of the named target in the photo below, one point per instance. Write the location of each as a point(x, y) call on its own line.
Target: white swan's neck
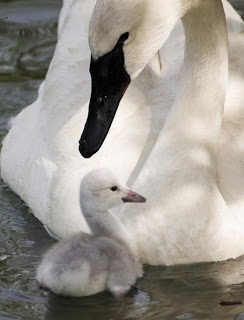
point(198, 107)
point(186, 202)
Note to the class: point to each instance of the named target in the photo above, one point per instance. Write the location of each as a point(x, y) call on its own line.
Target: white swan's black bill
point(134, 197)
point(109, 83)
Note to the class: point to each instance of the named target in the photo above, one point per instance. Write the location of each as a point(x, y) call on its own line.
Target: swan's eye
point(123, 38)
point(114, 188)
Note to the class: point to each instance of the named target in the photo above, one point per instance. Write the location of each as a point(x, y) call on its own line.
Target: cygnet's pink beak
point(134, 197)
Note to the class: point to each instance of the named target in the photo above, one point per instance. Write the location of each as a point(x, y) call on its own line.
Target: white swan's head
point(124, 35)
point(101, 191)
point(140, 27)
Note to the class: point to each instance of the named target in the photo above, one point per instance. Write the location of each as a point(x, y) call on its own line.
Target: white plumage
point(193, 178)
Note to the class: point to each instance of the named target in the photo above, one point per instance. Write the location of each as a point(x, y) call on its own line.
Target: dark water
point(27, 37)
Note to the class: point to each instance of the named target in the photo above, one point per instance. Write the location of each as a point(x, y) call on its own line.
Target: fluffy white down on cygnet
point(86, 264)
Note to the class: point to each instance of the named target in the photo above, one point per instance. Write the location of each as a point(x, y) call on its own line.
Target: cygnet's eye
point(114, 188)
point(123, 38)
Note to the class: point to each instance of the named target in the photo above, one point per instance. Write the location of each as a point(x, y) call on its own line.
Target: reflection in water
point(28, 35)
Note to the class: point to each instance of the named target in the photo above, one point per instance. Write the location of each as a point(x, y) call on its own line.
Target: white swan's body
point(200, 221)
point(40, 160)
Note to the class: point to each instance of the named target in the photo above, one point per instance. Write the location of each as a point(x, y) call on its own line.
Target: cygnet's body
point(87, 264)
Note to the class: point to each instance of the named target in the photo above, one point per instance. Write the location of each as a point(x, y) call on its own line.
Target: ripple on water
point(28, 36)
point(29, 12)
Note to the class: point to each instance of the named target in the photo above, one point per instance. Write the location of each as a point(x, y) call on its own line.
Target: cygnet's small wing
point(121, 275)
point(122, 270)
point(75, 267)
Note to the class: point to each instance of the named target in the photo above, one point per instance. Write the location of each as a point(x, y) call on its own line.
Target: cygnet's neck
point(105, 224)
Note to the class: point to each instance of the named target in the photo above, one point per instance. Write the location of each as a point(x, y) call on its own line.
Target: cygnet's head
point(101, 191)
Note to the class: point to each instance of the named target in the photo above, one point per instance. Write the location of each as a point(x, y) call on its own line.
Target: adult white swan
point(194, 173)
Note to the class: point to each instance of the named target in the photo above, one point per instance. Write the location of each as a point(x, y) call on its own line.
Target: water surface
point(27, 37)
